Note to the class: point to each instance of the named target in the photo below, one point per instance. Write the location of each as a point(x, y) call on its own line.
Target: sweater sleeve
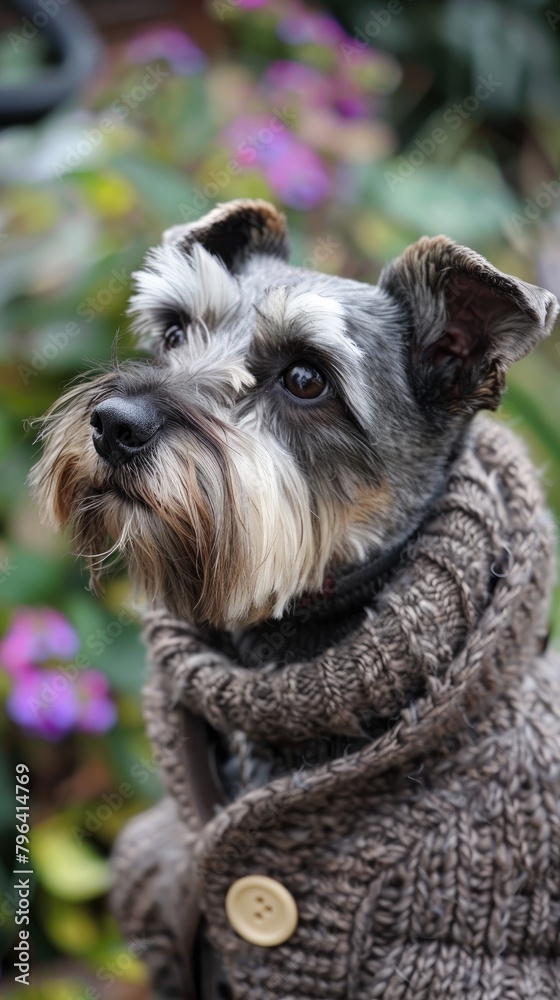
point(418, 625)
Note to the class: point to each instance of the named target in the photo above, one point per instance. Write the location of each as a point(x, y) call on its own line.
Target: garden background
point(370, 124)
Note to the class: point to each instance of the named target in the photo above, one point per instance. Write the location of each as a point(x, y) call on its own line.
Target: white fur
point(212, 368)
point(323, 320)
point(197, 286)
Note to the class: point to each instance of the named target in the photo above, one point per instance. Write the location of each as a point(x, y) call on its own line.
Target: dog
point(286, 423)
point(289, 429)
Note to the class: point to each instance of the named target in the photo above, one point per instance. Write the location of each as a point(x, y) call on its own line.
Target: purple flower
point(46, 699)
point(171, 44)
point(96, 710)
point(304, 81)
point(299, 177)
point(291, 168)
point(44, 702)
point(314, 89)
point(287, 74)
point(51, 704)
point(351, 106)
point(37, 635)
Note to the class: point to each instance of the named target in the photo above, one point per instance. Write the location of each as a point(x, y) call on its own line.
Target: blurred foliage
point(159, 139)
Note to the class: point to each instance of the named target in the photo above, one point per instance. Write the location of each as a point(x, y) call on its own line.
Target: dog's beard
point(215, 521)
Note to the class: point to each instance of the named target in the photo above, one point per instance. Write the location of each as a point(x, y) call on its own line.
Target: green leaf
point(69, 926)
point(52, 988)
point(68, 868)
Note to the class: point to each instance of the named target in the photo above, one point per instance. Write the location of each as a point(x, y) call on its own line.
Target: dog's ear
point(235, 231)
point(469, 322)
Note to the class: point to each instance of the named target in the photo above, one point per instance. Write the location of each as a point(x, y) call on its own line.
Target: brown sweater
point(424, 859)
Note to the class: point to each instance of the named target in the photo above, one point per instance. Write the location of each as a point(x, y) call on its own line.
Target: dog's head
point(287, 422)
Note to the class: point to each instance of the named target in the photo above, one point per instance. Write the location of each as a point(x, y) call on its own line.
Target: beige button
point(261, 910)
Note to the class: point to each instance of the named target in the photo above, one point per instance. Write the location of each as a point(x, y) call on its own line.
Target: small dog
point(288, 426)
point(287, 422)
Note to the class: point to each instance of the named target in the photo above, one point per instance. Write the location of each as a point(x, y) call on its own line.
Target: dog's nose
point(123, 426)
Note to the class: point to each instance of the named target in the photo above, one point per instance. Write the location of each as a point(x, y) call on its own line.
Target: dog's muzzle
point(124, 426)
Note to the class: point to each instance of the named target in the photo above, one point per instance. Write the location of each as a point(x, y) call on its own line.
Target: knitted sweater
point(403, 784)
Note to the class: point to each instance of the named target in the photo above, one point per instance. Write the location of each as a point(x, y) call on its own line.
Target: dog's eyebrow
point(194, 286)
point(292, 314)
point(291, 320)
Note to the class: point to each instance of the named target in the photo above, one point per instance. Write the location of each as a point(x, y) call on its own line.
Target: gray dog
point(349, 581)
point(278, 396)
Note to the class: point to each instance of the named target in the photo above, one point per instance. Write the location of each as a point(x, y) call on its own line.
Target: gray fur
point(408, 363)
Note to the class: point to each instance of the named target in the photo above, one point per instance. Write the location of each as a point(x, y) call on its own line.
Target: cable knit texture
point(423, 849)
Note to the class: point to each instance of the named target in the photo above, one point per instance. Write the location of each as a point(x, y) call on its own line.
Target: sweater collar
point(453, 631)
point(348, 590)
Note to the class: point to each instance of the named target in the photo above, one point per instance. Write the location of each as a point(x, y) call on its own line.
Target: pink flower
point(37, 635)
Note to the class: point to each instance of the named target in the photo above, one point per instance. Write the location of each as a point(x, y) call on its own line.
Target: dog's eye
point(174, 336)
point(304, 381)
